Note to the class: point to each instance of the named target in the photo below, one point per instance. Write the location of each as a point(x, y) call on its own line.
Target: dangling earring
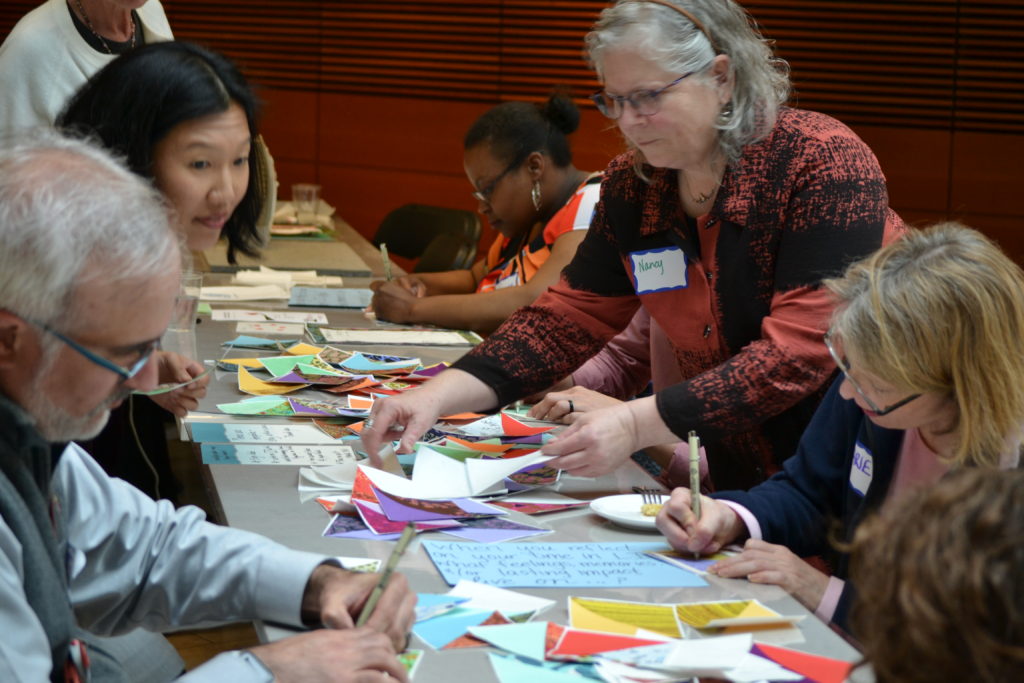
point(725, 115)
point(535, 194)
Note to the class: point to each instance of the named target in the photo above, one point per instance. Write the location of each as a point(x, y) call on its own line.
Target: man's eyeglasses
point(484, 193)
point(125, 373)
point(844, 367)
point(644, 102)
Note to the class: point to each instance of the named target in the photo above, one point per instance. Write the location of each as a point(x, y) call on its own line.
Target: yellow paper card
point(623, 617)
point(700, 614)
point(257, 387)
point(243, 362)
point(302, 349)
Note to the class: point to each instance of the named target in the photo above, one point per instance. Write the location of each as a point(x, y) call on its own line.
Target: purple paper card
point(378, 523)
point(532, 439)
point(300, 408)
point(399, 509)
point(342, 526)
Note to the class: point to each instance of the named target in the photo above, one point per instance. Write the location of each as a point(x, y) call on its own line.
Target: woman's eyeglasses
point(844, 367)
point(644, 102)
point(484, 193)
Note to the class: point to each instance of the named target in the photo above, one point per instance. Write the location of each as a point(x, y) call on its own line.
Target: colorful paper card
point(565, 565)
point(291, 454)
point(430, 605)
point(686, 560)
point(814, 667)
point(510, 603)
point(469, 640)
point(577, 645)
point(623, 617)
point(250, 384)
point(525, 640)
point(280, 365)
point(513, 427)
point(250, 342)
point(274, 406)
point(441, 630)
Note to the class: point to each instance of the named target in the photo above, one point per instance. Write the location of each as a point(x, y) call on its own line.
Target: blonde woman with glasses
point(927, 333)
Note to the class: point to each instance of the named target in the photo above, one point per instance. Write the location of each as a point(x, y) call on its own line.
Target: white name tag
point(659, 270)
point(862, 470)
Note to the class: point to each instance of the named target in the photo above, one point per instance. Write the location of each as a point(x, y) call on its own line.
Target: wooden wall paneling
point(987, 173)
point(916, 163)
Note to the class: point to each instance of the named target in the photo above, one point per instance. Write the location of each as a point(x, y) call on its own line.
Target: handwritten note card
point(322, 297)
point(258, 433)
point(565, 565)
point(294, 454)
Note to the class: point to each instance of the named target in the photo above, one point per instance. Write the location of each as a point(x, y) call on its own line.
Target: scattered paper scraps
point(349, 526)
point(526, 639)
point(441, 630)
point(250, 384)
point(291, 454)
point(429, 605)
point(513, 604)
point(303, 349)
point(469, 640)
point(565, 565)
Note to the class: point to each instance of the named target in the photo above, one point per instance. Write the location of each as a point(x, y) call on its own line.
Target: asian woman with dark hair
point(185, 117)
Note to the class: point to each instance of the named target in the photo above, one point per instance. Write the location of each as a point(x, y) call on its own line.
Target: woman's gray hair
point(670, 39)
point(70, 212)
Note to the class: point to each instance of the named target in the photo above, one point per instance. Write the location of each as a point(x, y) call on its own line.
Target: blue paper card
point(322, 297)
point(562, 565)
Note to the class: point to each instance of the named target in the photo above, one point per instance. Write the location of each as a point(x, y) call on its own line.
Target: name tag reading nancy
point(862, 470)
point(658, 270)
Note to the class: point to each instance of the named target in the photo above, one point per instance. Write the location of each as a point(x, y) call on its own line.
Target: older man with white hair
point(89, 272)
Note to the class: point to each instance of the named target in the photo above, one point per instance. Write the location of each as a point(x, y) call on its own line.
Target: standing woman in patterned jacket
point(720, 221)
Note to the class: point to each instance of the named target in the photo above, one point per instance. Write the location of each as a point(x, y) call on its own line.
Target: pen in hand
point(387, 262)
point(695, 479)
point(385, 576)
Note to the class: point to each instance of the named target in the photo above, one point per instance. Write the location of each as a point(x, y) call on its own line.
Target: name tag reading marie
point(862, 469)
point(659, 270)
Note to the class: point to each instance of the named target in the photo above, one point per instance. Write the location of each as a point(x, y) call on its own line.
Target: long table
point(264, 499)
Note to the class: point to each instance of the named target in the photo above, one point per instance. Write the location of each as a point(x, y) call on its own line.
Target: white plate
point(624, 510)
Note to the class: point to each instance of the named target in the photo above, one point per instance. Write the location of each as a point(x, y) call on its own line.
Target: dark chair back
point(412, 229)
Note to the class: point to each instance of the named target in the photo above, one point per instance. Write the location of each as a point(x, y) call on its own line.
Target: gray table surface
point(264, 499)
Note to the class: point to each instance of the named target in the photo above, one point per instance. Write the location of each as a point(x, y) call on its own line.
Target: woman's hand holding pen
point(392, 301)
point(719, 525)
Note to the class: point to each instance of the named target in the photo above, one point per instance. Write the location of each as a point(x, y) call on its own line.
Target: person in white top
point(56, 47)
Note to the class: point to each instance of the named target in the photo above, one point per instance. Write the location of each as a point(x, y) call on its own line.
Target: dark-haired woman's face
point(508, 207)
point(202, 166)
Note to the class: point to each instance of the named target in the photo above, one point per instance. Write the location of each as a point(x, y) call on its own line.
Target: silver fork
point(649, 496)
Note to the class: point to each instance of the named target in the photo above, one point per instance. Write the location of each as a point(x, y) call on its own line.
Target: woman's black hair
point(515, 129)
point(137, 99)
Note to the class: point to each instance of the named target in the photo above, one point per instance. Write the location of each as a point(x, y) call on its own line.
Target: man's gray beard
point(54, 423)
